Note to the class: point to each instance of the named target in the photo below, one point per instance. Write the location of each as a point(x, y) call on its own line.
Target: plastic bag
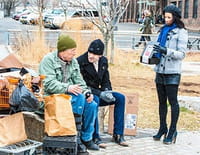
point(22, 99)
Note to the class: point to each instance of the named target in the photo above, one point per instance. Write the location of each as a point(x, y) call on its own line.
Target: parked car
point(18, 12)
point(21, 13)
point(50, 13)
point(46, 13)
point(57, 21)
point(31, 18)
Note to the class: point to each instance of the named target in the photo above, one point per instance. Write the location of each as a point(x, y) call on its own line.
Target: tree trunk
point(112, 48)
point(106, 41)
point(40, 24)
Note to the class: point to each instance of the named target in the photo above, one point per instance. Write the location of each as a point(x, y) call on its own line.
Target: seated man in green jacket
point(63, 76)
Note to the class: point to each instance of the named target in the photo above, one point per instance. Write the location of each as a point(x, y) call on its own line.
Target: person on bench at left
point(63, 76)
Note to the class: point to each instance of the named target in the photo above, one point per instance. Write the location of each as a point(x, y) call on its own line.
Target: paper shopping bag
point(12, 129)
point(59, 118)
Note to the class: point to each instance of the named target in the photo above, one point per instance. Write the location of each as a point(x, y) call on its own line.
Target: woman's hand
point(160, 49)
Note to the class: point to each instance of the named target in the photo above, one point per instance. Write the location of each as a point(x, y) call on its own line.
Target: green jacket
point(147, 27)
point(51, 67)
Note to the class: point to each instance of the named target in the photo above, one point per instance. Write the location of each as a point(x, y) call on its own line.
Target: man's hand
point(75, 89)
point(90, 98)
point(107, 96)
point(160, 49)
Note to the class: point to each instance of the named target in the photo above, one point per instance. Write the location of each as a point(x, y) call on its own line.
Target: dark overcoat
point(97, 81)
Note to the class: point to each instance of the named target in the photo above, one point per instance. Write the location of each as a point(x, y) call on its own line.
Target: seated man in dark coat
point(94, 68)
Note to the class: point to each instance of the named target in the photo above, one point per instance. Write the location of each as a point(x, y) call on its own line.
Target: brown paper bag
point(12, 129)
point(59, 118)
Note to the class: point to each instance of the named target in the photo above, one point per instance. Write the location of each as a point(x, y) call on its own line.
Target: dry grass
point(77, 24)
point(128, 76)
point(192, 56)
point(33, 50)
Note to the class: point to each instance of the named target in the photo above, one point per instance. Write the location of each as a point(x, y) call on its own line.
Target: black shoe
point(90, 145)
point(83, 153)
point(160, 133)
point(82, 150)
point(138, 44)
point(119, 139)
point(171, 138)
point(99, 142)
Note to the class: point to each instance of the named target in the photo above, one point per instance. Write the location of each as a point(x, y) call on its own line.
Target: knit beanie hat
point(173, 9)
point(96, 47)
point(65, 42)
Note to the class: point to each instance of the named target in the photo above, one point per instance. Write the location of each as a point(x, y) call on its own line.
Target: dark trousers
point(145, 38)
point(168, 92)
point(119, 109)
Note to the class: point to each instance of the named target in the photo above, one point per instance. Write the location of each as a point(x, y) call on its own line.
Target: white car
point(21, 13)
point(57, 21)
point(48, 15)
point(31, 18)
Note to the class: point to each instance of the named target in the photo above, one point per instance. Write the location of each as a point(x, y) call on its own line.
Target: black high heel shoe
point(170, 138)
point(160, 133)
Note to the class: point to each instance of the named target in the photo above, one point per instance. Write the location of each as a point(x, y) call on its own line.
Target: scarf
point(162, 38)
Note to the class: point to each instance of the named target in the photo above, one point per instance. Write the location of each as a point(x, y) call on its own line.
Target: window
point(195, 8)
point(174, 3)
point(180, 6)
point(186, 9)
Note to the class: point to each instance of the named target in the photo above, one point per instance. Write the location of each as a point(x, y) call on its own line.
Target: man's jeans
point(118, 113)
point(88, 111)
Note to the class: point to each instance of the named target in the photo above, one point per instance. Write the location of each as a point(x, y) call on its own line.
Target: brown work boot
point(119, 139)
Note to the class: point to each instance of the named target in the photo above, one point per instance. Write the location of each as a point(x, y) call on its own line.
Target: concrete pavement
point(187, 143)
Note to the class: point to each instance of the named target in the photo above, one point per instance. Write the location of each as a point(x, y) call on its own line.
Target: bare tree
point(24, 2)
point(39, 7)
point(64, 4)
point(8, 5)
point(110, 11)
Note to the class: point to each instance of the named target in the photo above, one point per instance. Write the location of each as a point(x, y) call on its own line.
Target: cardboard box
point(130, 117)
point(149, 56)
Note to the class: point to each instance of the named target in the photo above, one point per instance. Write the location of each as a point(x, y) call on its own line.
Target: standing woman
point(172, 46)
point(146, 28)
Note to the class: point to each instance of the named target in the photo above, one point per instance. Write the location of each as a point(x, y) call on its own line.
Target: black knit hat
point(173, 9)
point(96, 47)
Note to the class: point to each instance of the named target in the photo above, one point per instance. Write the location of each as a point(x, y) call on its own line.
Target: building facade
point(190, 10)
point(130, 15)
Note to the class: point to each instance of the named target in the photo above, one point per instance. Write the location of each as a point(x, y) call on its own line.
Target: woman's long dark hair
point(179, 22)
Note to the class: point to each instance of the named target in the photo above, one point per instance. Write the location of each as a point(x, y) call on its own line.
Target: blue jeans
point(119, 109)
point(89, 113)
